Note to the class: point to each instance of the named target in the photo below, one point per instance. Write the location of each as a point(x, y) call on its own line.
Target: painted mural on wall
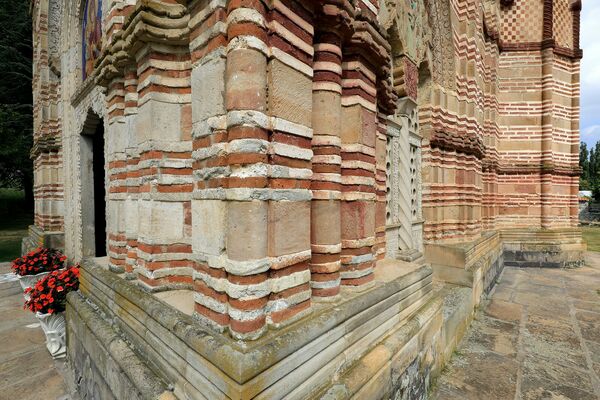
point(91, 35)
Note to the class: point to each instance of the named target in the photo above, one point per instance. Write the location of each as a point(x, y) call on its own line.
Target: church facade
point(297, 199)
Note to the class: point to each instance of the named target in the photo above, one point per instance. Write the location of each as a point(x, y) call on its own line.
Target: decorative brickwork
point(522, 22)
point(563, 23)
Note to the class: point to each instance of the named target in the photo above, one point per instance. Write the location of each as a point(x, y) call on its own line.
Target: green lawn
point(592, 236)
point(14, 220)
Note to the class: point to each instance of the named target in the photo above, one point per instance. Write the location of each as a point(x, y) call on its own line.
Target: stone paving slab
point(538, 337)
point(27, 371)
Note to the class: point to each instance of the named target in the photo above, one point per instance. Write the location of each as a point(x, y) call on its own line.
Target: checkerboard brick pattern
point(523, 21)
point(563, 23)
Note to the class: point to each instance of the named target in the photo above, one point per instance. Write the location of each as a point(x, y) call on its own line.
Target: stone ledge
point(475, 264)
point(384, 370)
point(548, 248)
point(117, 371)
point(458, 310)
point(461, 255)
point(200, 361)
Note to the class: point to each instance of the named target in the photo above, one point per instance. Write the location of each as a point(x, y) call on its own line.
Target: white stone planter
point(54, 327)
point(28, 281)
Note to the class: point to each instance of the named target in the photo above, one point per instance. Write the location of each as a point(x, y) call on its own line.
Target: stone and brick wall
point(539, 118)
point(275, 159)
point(221, 177)
point(248, 150)
point(500, 118)
point(47, 151)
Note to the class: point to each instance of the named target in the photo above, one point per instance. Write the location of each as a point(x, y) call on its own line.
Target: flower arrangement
point(49, 295)
point(38, 261)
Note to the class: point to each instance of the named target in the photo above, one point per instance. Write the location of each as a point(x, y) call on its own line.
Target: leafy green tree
point(591, 164)
point(16, 121)
point(584, 161)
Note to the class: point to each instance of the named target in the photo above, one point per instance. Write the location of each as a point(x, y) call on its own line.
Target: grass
point(592, 237)
point(14, 220)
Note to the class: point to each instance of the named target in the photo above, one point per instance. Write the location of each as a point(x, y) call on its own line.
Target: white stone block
point(117, 136)
point(131, 218)
point(209, 226)
point(161, 222)
point(208, 90)
point(158, 121)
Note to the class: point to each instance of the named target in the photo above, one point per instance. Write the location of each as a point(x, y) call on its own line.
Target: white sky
point(590, 72)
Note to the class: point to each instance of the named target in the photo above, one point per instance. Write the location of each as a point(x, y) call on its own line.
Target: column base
point(547, 248)
point(315, 355)
point(39, 238)
point(478, 263)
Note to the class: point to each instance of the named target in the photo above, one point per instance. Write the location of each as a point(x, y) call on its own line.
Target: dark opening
point(99, 191)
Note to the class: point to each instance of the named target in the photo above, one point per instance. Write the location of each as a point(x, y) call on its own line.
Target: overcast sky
point(590, 72)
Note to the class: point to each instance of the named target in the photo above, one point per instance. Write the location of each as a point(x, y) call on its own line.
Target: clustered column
point(280, 190)
point(326, 183)
point(359, 130)
point(252, 146)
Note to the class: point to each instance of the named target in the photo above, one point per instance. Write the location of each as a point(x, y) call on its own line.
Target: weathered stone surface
point(208, 89)
point(158, 121)
point(289, 227)
point(284, 80)
point(503, 310)
point(327, 212)
point(246, 80)
point(209, 226)
point(247, 230)
point(161, 222)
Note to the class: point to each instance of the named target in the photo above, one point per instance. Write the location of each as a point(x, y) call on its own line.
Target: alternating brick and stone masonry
point(297, 199)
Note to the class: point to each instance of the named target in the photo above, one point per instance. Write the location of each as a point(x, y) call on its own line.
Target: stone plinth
point(313, 355)
point(548, 248)
point(474, 264)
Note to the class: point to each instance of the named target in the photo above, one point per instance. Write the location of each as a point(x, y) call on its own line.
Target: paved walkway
point(538, 338)
point(27, 371)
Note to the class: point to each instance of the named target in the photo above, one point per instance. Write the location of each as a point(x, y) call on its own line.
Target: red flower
point(50, 293)
point(37, 261)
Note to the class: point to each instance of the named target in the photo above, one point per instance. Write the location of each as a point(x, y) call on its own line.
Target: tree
point(16, 119)
point(584, 164)
point(584, 161)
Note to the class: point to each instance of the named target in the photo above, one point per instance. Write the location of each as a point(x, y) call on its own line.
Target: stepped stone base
point(477, 264)
point(390, 340)
point(318, 355)
point(561, 248)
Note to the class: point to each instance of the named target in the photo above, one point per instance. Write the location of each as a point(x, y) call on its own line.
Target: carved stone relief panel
point(393, 193)
point(403, 169)
point(407, 22)
point(54, 25)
